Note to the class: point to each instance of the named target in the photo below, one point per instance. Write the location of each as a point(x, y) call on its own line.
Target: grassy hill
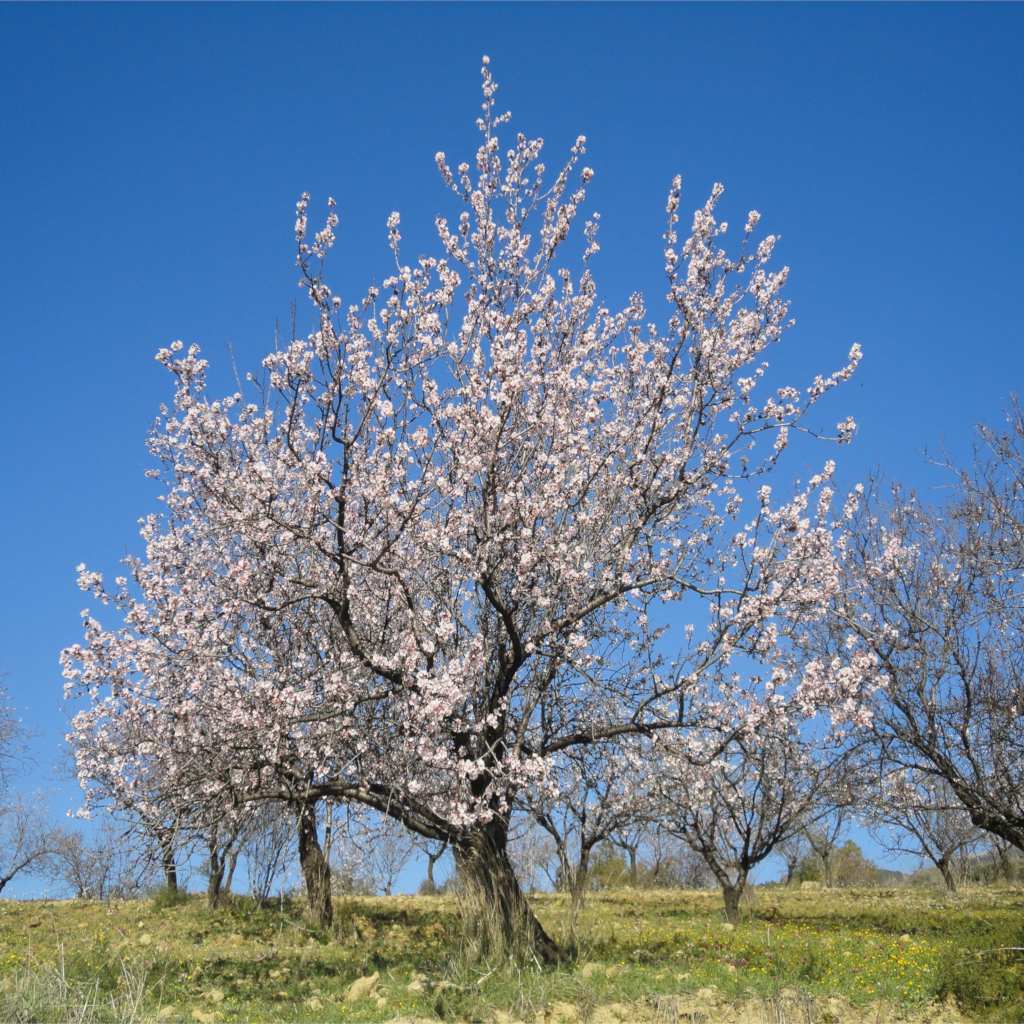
point(807, 956)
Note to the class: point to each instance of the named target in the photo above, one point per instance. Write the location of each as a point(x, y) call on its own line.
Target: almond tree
point(28, 842)
point(927, 819)
point(385, 848)
point(432, 561)
point(762, 788)
point(792, 851)
point(823, 835)
point(266, 846)
point(930, 617)
point(592, 793)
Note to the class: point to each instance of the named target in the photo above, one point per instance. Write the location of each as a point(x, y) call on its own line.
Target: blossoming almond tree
point(914, 812)
point(762, 787)
point(593, 791)
point(433, 561)
point(930, 617)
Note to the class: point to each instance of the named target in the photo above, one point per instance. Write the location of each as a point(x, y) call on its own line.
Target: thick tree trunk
point(731, 894)
point(215, 878)
point(791, 866)
point(315, 870)
point(946, 870)
point(497, 915)
point(633, 875)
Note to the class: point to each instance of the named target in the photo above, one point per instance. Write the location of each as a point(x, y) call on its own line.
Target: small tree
point(793, 850)
point(532, 852)
point(592, 794)
point(434, 852)
point(266, 847)
point(28, 843)
point(27, 840)
point(930, 620)
point(760, 789)
point(102, 864)
point(823, 836)
point(387, 848)
point(852, 868)
point(919, 814)
point(222, 843)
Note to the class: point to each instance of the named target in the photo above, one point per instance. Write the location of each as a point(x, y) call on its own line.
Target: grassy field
point(799, 956)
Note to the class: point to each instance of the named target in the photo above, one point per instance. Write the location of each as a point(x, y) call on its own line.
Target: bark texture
point(315, 870)
point(498, 917)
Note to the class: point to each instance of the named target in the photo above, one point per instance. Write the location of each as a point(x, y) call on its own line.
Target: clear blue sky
point(151, 156)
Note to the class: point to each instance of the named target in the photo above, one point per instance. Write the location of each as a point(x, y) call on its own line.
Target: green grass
point(820, 957)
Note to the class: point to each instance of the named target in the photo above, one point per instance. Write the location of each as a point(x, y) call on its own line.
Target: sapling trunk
point(215, 878)
point(578, 889)
point(169, 865)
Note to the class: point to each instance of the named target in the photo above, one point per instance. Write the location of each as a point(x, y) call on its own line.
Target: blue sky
point(151, 157)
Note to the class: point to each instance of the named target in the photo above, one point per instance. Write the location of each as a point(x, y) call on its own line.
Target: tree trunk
point(731, 894)
point(496, 914)
point(315, 870)
point(1005, 868)
point(432, 859)
point(791, 866)
point(828, 869)
point(633, 877)
point(579, 889)
point(946, 869)
point(167, 862)
point(232, 864)
point(328, 831)
point(215, 878)
point(564, 869)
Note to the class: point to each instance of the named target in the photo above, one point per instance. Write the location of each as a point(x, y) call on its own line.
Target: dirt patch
point(709, 1006)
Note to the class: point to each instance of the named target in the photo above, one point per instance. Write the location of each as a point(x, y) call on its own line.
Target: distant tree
point(266, 846)
point(222, 842)
point(592, 793)
point(608, 868)
point(678, 866)
point(102, 863)
point(1005, 866)
point(823, 836)
point(387, 848)
point(930, 619)
point(850, 867)
point(630, 837)
point(533, 854)
point(28, 842)
point(433, 852)
point(793, 851)
point(918, 813)
point(12, 739)
point(761, 788)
